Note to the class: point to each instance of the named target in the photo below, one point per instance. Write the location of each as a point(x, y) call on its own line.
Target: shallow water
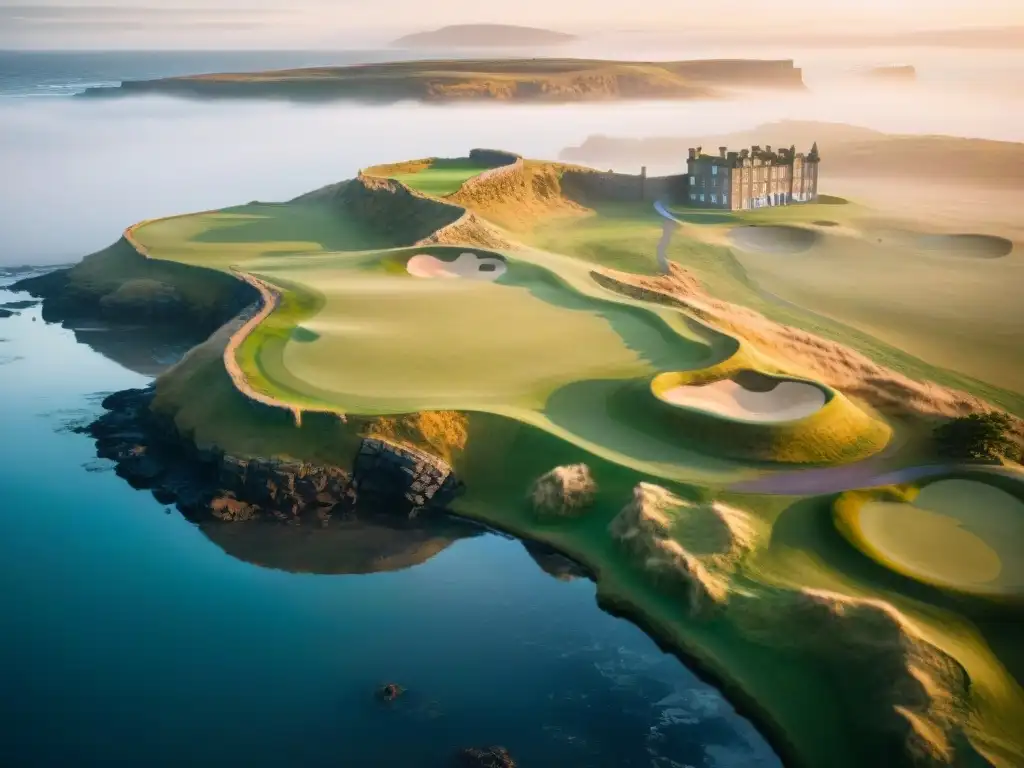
point(130, 638)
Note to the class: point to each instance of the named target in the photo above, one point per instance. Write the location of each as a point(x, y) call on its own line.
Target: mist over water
point(76, 171)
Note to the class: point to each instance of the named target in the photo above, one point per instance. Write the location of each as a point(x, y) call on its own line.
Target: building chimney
point(693, 153)
point(768, 148)
point(755, 148)
point(722, 151)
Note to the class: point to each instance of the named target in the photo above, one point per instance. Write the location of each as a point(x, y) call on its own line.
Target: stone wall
point(594, 187)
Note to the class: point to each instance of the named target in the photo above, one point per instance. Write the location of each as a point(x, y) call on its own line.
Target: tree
point(980, 436)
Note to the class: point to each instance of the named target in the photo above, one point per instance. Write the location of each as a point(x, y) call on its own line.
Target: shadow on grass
point(807, 526)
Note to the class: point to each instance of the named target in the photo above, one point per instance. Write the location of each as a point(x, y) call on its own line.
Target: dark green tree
point(980, 436)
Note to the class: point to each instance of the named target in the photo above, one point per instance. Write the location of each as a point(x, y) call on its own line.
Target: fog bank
point(77, 172)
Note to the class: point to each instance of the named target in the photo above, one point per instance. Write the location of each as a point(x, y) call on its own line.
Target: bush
point(980, 436)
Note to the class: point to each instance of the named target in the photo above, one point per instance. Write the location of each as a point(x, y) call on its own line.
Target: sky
point(57, 24)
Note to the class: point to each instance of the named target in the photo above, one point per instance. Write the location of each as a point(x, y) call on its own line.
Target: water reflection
point(345, 545)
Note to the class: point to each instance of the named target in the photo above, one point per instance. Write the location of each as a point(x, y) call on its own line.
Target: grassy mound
point(838, 431)
point(963, 533)
point(121, 285)
point(695, 545)
point(564, 491)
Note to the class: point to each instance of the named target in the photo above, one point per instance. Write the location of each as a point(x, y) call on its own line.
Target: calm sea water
point(128, 638)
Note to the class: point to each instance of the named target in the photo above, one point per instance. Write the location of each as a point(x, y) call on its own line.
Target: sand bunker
point(468, 265)
point(961, 534)
point(751, 398)
point(977, 246)
point(774, 239)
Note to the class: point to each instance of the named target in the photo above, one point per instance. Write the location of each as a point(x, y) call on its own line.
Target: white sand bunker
point(970, 245)
point(774, 239)
point(751, 398)
point(469, 266)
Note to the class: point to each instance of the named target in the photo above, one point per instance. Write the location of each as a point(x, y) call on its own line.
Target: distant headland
point(456, 80)
point(483, 36)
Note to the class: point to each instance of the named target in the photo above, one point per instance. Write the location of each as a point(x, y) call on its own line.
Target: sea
point(132, 637)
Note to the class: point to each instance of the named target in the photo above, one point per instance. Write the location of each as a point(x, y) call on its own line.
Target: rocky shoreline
point(209, 484)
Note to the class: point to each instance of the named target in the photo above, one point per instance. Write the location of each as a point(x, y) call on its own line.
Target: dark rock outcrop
point(209, 485)
point(488, 757)
point(389, 692)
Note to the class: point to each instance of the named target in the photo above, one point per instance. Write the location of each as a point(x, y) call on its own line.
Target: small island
point(501, 80)
point(484, 36)
point(901, 73)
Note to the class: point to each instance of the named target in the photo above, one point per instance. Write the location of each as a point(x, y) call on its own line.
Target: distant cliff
point(897, 73)
point(537, 80)
point(483, 36)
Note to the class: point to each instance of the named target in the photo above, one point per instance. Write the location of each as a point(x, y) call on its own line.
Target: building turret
point(813, 156)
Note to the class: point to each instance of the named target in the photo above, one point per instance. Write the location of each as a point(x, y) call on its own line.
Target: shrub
point(980, 436)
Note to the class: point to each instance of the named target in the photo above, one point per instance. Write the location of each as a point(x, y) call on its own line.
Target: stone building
point(751, 178)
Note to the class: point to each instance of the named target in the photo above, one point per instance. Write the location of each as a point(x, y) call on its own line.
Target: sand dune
point(786, 401)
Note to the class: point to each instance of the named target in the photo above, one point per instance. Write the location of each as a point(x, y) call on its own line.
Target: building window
point(693, 196)
point(714, 198)
point(693, 180)
point(702, 198)
point(714, 170)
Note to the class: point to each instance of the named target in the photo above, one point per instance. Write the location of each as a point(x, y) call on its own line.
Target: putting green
point(961, 534)
point(438, 177)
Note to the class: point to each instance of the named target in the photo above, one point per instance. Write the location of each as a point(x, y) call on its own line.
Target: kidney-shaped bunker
point(755, 415)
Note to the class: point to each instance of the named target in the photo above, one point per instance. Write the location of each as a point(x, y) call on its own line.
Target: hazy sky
point(309, 23)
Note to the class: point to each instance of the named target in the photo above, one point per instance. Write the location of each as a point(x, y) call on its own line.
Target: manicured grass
point(441, 177)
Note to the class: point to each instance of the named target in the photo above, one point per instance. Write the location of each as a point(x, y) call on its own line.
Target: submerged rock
point(488, 757)
point(389, 692)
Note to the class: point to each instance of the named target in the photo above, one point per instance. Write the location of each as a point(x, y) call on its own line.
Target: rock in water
point(489, 757)
point(389, 692)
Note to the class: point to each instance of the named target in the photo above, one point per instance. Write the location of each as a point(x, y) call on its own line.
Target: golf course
point(508, 318)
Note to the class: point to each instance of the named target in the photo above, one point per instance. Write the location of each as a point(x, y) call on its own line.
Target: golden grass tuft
point(564, 491)
point(696, 545)
point(440, 433)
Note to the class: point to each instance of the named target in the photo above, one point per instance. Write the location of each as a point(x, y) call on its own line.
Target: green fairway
point(442, 177)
